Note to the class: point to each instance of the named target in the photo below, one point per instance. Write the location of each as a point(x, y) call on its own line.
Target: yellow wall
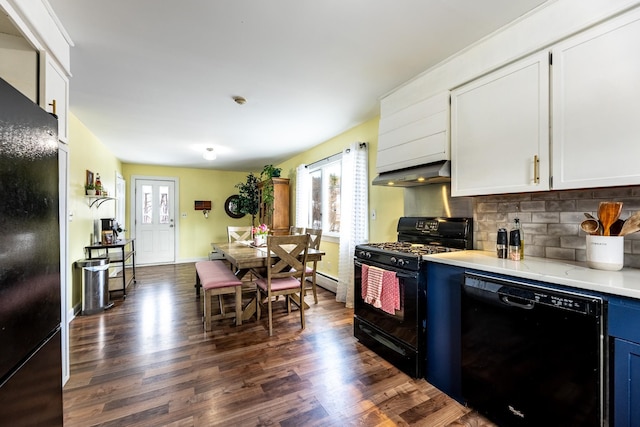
point(196, 233)
point(86, 152)
point(386, 201)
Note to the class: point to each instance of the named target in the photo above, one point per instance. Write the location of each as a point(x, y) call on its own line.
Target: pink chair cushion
point(215, 274)
point(279, 284)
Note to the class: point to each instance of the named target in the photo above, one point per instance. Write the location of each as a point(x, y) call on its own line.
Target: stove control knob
point(401, 262)
point(393, 260)
point(364, 254)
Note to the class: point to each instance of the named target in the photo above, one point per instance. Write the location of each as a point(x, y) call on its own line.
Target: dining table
point(245, 256)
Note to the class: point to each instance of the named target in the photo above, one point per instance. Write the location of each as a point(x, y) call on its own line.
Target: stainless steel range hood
point(433, 173)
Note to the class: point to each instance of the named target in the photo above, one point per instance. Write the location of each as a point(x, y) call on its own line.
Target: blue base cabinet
point(443, 361)
point(624, 329)
point(626, 377)
point(443, 328)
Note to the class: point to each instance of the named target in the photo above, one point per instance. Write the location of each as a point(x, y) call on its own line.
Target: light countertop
point(625, 282)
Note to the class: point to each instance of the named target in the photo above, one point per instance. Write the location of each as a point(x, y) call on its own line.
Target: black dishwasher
point(532, 355)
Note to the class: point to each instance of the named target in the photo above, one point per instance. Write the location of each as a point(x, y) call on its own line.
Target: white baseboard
point(327, 282)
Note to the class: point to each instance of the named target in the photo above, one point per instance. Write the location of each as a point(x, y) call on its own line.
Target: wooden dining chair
point(285, 273)
point(296, 230)
point(235, 233)
point(315, 235)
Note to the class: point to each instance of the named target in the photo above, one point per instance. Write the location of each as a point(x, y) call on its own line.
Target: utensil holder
point(605, 252)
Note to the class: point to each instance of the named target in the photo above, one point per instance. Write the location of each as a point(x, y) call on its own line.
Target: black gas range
point(399, 335)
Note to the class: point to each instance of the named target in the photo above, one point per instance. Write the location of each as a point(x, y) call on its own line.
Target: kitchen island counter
point(625, 282)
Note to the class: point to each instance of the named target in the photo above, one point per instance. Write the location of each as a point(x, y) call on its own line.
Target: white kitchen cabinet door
point(500, 130)
point(596, 106)
point(54, 90)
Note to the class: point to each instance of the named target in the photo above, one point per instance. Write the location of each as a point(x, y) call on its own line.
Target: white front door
point(155, 230)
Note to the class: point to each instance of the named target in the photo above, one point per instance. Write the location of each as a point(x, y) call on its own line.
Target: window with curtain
point(324, 200)
point(334, 192)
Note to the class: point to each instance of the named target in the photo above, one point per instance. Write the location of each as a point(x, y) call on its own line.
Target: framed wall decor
point(89, 177)
point(232, 206)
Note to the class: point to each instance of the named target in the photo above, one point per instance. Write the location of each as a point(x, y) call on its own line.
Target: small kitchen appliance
point(399, 335)
point(110, 224)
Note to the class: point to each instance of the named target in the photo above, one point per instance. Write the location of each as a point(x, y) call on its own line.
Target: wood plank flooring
point(149, 362)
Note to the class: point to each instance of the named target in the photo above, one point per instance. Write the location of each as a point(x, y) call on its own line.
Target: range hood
point(433, 173)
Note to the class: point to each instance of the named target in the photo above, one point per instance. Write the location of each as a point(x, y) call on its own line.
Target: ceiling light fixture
point(239, 100)
point(209, 154)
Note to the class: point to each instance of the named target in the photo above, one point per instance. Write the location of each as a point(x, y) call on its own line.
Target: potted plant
point(90, 189)
point(269, 171)
point(260, 235)
point(249, 197)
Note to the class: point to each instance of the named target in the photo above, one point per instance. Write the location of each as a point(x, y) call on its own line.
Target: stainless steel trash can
point(95, 285)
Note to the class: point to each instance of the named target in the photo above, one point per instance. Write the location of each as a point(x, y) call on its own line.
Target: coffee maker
point(112, 225)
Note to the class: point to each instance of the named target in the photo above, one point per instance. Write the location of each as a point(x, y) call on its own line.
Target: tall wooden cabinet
point(276, 216)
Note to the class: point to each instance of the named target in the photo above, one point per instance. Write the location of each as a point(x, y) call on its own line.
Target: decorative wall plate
point(232, 206)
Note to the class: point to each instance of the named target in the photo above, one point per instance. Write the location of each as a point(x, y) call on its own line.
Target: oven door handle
point(398, 275)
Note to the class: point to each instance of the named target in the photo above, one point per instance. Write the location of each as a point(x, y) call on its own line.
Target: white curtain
point(303, 190)
point(354, 208)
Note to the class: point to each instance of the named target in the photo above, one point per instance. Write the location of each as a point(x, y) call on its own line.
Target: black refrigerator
point(30, 343)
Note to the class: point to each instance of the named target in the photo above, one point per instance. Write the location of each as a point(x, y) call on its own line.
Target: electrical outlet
point(184, 215)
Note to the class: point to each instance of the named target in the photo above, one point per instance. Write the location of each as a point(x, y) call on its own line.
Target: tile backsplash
point(550, 220)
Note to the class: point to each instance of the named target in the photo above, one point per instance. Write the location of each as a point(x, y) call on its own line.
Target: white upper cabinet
point(412, 131)
point(596, 106)
point(500, 130)
point(54, 93)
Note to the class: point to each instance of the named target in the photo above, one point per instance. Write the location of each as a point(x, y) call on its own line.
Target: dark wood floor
point(148, 362)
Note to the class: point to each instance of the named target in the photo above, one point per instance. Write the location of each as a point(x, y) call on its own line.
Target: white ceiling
point(154, 80)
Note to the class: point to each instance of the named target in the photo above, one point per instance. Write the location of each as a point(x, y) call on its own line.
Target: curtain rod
point(332, 158)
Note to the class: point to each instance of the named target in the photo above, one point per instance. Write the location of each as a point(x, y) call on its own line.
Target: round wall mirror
point(232, 206)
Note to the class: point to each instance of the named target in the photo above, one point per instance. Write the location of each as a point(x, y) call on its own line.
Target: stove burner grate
point(411, 248)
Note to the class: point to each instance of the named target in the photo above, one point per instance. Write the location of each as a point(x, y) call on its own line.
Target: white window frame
point(324, 165)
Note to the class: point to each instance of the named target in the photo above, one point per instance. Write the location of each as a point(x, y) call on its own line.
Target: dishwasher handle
point(511, 293)
point(526, 306)
point(495, 293)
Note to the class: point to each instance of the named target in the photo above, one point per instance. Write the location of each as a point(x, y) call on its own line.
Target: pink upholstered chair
point(285, 273)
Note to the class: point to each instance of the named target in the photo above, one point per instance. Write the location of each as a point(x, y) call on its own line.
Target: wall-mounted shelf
point(99, 200)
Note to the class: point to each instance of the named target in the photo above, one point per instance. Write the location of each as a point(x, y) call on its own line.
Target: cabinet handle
point(53, 105)
point(536, 169)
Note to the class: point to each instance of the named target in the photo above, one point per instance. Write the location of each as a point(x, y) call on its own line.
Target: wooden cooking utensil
point(608, 213)
point(616, 227)
point(631, 225)
point(590, 226)
point(589, 216)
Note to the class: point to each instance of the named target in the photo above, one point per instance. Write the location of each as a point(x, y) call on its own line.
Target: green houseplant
point(249, 197)
point(269, 171)
point(90, 189)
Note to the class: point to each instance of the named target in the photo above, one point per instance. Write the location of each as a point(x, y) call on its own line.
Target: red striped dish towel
point(380, 288)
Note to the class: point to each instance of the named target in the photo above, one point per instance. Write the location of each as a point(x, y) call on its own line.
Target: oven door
point(400, 338)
